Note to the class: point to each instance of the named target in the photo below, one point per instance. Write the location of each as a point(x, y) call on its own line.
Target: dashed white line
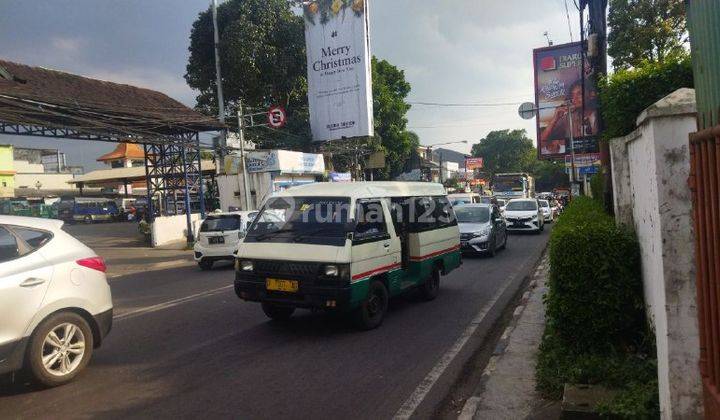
point(169, 304)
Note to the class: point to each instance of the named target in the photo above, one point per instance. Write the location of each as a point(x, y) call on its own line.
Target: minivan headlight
point(246, 265)
point(332, 270)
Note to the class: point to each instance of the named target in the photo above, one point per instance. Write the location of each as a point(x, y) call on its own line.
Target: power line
point(567, 13)
point(479, 105)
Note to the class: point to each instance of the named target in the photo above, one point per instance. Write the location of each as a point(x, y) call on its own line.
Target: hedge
point(595, 298)
point(626, 93)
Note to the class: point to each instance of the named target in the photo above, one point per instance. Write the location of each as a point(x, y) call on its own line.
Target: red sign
point(277, 117)
point(473, 163)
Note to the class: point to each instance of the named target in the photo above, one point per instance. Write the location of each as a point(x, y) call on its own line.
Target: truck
point(507, 186)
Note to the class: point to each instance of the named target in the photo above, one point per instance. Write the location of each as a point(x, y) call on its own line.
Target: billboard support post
point(243, 161)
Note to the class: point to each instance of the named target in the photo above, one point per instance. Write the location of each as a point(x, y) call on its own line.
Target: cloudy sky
point(452, 51)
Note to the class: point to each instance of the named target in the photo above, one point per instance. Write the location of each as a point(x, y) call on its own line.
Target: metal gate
point(705, 186)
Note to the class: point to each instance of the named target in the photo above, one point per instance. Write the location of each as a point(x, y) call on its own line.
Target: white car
point(219, 237)
point(548, 212)
point(55, 302)
point(501, 205)
point(524, 214)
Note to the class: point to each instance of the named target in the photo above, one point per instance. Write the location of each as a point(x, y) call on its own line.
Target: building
point(7, 171)
point(125, 155)
point(34, 172)
point(269, 171)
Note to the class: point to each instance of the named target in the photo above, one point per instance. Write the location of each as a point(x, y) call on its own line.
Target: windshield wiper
point(311, 232)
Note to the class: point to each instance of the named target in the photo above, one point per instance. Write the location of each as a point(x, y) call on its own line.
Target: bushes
point(626, 93)
point(595, 301)
point(596, 330)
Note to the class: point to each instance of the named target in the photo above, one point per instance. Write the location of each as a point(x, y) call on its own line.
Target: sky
point(452, 51)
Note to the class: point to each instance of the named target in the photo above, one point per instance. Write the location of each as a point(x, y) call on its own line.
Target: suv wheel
point(59, 349)
point(372, 311)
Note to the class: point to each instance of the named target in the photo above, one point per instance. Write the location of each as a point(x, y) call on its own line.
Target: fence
point(705, 186)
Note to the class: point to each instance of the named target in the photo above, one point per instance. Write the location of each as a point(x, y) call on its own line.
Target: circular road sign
point(527, 110)
point(276, 117)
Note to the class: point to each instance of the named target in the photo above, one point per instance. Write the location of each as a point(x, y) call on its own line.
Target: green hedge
point(595, 301)
point(626, 93)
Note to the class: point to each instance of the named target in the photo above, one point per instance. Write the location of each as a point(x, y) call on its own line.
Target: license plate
point(279, 285)
point(216, 240)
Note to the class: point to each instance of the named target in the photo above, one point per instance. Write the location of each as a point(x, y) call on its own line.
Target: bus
point(507, 186)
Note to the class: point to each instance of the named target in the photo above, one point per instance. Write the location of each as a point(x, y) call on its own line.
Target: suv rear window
point(35, 238)
point(220, 223)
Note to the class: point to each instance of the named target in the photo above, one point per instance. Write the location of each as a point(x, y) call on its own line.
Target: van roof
point(364, 189)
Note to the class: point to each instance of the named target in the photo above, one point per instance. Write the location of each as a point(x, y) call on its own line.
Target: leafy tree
point(549, 174)
point(505, 151)
point(645, 30)
point(262, 57)
point(390, 89)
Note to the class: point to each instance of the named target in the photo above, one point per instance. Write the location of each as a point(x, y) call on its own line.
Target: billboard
point(473, 163)
point(339, 69)
point(559, 93)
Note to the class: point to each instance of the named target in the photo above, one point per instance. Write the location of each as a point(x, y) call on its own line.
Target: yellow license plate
point(278, 285)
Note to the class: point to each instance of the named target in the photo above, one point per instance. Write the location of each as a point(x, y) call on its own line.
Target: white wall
point(232, 191)
point(650, 172)
point(48, 181)
point(23, 166)
point(169, 230)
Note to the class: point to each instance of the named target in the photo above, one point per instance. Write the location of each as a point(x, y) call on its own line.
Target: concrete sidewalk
point(507, 388)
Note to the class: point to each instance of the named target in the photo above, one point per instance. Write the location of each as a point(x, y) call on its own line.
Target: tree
point(645, 30)
point(505, 151)
point(390, 89)
point(262, 57)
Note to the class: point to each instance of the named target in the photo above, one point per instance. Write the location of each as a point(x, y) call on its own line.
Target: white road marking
point(169, 304)
point(423, 389)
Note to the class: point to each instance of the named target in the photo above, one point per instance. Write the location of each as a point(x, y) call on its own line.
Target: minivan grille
point(287, 268)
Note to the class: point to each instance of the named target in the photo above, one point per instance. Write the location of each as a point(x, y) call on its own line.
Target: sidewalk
point(507, 389)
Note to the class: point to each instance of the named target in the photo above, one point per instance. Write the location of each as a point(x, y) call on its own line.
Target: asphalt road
point(183, 345)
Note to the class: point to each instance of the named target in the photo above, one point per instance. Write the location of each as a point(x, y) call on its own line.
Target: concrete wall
point(171, 230)
point(650, 172)
point(48, 181)
point(231, 190)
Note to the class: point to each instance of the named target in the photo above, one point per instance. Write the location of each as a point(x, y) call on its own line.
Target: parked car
point(55, 302)
point(219, 236)
point(524, 214)
point(348, 247)
point(547, 211)
point(482, 228)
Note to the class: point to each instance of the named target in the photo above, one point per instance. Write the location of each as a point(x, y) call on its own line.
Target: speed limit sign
point(277, 117)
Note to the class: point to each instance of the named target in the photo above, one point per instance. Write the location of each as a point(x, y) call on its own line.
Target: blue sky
point(451, 51)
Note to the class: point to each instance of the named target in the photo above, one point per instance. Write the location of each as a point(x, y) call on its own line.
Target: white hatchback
point(524, 214)
point(55, 302)
point(219, 237)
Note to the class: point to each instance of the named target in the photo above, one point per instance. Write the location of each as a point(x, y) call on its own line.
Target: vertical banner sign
point(339, 69)
point(559, 90)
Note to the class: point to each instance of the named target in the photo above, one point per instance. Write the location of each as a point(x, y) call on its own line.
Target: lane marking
point(169, 304)
point(423, 389)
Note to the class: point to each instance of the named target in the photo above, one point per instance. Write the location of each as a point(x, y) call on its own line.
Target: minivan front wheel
point(372, 311)
point(59, 350)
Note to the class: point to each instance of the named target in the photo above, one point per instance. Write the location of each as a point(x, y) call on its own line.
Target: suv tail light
point(95, 263)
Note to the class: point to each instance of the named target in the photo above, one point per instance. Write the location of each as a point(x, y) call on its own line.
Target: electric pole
point(218, 82)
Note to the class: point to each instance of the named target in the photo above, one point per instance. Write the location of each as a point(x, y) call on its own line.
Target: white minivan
point(55, 302)
point(219, 236)
point(347, 247)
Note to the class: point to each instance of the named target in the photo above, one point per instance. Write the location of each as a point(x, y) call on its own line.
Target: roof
point(124, 151)
point(41, 97)
point(33, 222)
point(119, 174)
point(364, 189)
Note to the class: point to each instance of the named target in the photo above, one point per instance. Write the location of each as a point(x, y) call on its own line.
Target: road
point(183, 345)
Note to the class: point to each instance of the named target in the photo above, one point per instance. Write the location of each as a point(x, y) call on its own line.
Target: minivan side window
point(370, 221)
point(8, 246)
point(33, 237)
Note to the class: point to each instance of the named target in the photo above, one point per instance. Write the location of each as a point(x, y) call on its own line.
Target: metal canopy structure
point(35, 101)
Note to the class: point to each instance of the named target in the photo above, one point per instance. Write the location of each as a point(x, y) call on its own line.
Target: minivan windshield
point(311, 220)
point(521, 206)
point(472, 214)
point(220, 223)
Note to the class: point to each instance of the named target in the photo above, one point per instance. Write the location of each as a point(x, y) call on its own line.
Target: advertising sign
point(559, 91)
point(340, 177)
point(285, 161)
point(582, 160)
point(339, 72)
point(473, 163)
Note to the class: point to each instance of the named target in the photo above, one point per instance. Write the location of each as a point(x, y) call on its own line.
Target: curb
point(165, 265)
point(472, 403)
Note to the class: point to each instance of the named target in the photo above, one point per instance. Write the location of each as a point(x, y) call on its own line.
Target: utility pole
point(597, 35)
point(218, 83)
point(572, 145)
point(243, 161)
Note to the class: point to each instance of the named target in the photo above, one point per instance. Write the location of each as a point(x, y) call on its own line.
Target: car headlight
point(482, 232)
point(246, 265)
point(332, 270)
